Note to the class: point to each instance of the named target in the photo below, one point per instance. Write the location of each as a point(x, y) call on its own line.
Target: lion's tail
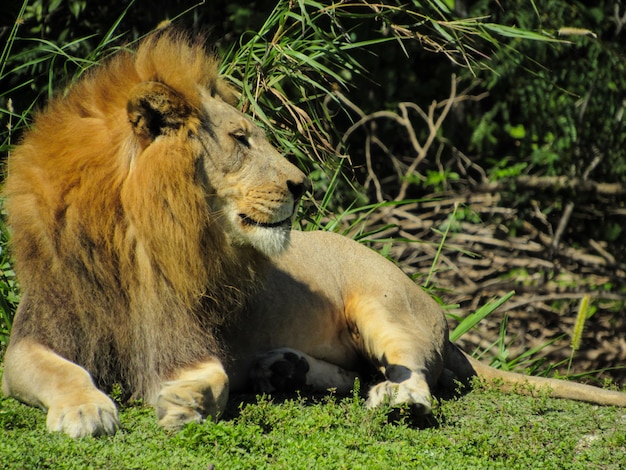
point(531, 385)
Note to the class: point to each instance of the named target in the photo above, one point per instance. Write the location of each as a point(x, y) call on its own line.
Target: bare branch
point(556, 184)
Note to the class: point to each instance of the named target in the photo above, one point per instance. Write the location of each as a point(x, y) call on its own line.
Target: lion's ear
point(154, 108)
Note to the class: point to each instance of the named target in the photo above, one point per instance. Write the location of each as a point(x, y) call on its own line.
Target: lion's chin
point(268, 238)
point(269, 241)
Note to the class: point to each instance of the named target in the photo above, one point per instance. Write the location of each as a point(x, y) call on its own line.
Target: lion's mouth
point(255, 223)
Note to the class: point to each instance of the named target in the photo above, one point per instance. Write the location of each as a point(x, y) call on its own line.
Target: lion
point(151, 234)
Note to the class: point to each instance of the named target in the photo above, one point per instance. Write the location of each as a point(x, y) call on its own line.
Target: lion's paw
point(92, 415)
point(415, 395)
point(187, 401)
point(280, 370)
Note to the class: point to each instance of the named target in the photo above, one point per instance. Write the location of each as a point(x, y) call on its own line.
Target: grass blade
point(473, 319)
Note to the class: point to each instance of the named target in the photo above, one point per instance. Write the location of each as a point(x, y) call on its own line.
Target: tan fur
point(151, 238)
point(340, 303)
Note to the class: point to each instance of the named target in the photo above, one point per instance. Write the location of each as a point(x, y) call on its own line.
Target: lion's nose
point(297, 188)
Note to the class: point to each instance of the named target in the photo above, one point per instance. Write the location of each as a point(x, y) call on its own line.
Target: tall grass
point(9, 293)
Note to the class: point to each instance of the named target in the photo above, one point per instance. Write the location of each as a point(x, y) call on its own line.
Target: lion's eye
point(241, 138)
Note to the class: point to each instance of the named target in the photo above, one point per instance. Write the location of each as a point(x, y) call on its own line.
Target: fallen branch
point(555, 184)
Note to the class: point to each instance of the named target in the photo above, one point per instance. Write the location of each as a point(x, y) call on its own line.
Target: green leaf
point(473, 319)
point(517, 132)
point(513, 32)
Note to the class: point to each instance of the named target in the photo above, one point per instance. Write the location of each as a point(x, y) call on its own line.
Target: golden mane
point(119, 237)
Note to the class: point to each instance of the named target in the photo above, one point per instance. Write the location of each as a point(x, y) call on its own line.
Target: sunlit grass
point(485, 429)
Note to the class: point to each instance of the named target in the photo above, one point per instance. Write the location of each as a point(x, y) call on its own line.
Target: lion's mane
point(115, 238)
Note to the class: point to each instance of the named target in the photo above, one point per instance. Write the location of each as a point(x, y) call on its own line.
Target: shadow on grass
point(238, 402)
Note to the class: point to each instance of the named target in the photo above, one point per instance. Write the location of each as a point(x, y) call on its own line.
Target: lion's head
point(141, 205)
point(243, 176)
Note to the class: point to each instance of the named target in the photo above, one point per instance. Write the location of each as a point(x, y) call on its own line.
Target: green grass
point(484, 429)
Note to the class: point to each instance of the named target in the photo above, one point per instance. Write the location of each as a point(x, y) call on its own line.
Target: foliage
point(556, 109)
point(8, 290)
point(560, 105)
point(472, 320)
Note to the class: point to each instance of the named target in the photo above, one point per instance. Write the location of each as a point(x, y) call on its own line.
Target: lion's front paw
point(280, 370)
point(186, 401)
point(409, 392)
point(93, 414)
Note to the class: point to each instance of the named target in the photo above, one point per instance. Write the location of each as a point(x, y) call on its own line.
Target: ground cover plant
point(485, 429)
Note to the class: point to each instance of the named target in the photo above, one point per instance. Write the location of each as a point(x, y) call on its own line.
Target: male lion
point(151, 235)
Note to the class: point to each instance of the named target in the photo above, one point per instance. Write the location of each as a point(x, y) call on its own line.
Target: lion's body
point(150, 223)
point(318, 298)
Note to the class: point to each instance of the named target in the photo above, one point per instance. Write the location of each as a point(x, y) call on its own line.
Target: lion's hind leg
point(401, 333)
point(287, 370)
point(36, 375)
point(401, 387)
